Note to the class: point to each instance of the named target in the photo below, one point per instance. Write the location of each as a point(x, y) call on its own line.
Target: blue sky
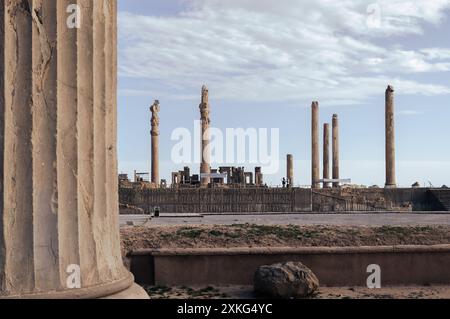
point(265, 61)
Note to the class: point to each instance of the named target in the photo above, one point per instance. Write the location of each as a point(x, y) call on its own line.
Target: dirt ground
point(246, 292)
point(234, 236)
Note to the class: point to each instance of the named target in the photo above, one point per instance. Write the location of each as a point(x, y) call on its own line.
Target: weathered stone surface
point(58, 161)
point(290, 170)
point(205, 167)
point(315, 152)
point(390, 138)
point(336, 173)
point(154, 109)
point(271, 200)
point(285, 280)
point(326, 154)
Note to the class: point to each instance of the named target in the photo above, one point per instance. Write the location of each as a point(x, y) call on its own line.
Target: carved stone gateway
point(58, 164)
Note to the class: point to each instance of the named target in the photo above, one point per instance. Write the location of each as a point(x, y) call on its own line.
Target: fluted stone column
point(58, 163)
point(390, 139)
point(155, 108)
point(326, 154)
point(205, 167)
point(315, 155)
point(290, 170)
point(335, 147)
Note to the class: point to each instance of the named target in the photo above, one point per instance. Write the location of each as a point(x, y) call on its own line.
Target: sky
point(265, 61)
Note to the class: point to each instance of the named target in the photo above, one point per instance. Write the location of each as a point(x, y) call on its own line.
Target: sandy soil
point(134, 238)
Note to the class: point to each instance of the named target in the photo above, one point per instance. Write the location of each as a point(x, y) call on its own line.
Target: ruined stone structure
point(336, 173)
point(205, 167)
point(390, 139)
point(184, 178)
point(58, 165)
point(155, 108)
point(285, 200)
point(259, 179)
point(236, 177)
point(290, 170)
point(315, 152)
point(326, 154)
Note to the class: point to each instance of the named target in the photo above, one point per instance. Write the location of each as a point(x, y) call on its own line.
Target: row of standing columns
point(315, 160)
point(205, 167)
point(315, 157)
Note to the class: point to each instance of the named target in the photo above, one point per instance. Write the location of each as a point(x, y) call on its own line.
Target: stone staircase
point(442, 196)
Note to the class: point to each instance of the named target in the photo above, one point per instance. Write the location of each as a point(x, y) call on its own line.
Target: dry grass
point(134, 238)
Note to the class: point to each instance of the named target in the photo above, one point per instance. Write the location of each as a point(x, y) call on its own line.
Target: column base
point(121, 289)
point(134, 292)
point(390, 186)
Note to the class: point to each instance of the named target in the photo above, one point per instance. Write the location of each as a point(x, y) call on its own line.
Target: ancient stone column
point(335, 147)
point(58, 164)
point(155, 108)
point(315, 155)
point(258, 177)
point(290, 170)
point(205, 167)
point(390, 139)
point(326, 154)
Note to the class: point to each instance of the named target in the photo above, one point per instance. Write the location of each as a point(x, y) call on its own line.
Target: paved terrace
point(355, 219)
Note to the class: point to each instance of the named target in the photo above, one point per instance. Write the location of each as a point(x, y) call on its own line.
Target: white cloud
point(289, 51)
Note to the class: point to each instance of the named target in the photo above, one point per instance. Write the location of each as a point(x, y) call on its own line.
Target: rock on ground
point(285, 281)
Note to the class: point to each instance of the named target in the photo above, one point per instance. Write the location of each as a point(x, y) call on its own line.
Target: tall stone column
point(155, 108)
point(290, 170)
point(390, 139)
point(58, 164)
point(315, 155)
point(336, 173)
point(326, 154)
point(205, 167)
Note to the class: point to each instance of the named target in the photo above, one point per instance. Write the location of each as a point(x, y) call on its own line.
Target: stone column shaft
point(290, 170)
point(58, 160)
point(390, 138)
point(155, 108)
point(335, 147)
point(326, 153)
point(315, 155)
point(205, 167)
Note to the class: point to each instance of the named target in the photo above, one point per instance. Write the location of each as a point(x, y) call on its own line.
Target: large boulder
point(285, 281)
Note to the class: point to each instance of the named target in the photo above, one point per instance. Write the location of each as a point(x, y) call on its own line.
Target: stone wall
point(264, 200)
point(379, 199)
point(219, 200)
point(335, 267)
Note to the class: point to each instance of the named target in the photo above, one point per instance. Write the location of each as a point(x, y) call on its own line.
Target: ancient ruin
point(326, 154)
point(58, 172)
point(315, 152)
point(233, 189)
point(155, 108)
point(290, 170)
point(335, 151)
point(205, 168)
point(390, 138)
point(225, 177)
